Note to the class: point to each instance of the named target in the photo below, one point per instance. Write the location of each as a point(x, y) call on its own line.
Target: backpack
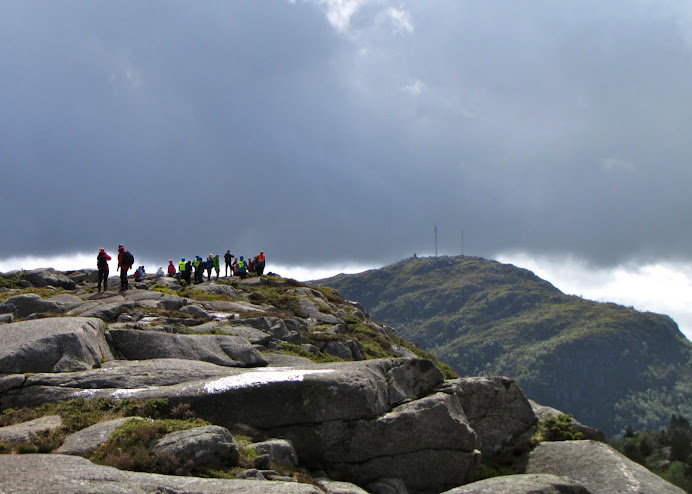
point(128, 258)
point(101, 261)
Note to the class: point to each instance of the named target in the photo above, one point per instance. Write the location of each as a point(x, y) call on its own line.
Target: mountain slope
point(609, 365)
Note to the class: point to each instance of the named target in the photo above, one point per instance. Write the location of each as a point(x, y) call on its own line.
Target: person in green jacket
point(217, 267)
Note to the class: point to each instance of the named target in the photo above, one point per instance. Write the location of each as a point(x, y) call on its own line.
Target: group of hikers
point(238, 266)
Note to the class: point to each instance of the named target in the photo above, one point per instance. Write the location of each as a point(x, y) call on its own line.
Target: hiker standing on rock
point(259, 266)
point(210, 266)
point(125, 262)
point(188, 272)
point(242, 268)
point(171, 268)
point(102, 264)
point(217, 268)
point(228, 258)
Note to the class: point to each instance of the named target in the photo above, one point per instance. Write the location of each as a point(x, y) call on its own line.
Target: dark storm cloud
point(178, 128)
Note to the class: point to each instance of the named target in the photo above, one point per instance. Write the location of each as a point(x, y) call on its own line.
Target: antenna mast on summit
point(462, 242)
point(435, 240)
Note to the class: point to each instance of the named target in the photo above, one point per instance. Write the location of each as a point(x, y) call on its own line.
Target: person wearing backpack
point(210, 266)
point(102, 264)
point(125, 262)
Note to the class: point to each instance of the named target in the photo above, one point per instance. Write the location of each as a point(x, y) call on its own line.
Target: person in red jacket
point(124, 265)
point(171, 268)
point(102, 264)
point(261, 259)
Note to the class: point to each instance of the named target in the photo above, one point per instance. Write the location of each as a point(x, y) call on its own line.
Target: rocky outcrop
point(63, 474)
point(280, 451)
point(202, 447)
point(22, 432)
point(21, 306)
point(543, 412)
point(523, 484)
point(88, 439)
point(61, 344)
point(43, 277)
point(389, 425)
point(133, 344)
point(497, 410)
point(598, 467)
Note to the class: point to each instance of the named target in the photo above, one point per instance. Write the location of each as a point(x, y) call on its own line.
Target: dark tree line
point(667, 452)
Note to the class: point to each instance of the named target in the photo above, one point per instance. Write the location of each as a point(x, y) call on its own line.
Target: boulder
point(83, 275)
point(543, 412)
point(195, 310)
point(496, 409)
point(139, 295)
point(169, 282)
point(233, 351)
point(598, 467)
point(336, 487)
point(412, 378)
point(6, 318)
point(209, 446)
point(312, 309)
point(356, 349)
point(172, 302)
point(254, 336)
point(64, 474)
point(67, 300)
point(523, 484)
point(59, 344)
point(217, 289)
point(427, 443)
point(43, 277)
point(387, 486)
point(88, 439)
point(280, 451)
point(239, 306)
point(19, 433)
point(108, 311)
point(338, 349)
point(21, 306)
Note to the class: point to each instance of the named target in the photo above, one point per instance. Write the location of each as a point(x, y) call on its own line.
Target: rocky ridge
point(266, 384)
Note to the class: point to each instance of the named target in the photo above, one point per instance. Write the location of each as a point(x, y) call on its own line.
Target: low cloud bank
point(661, 287)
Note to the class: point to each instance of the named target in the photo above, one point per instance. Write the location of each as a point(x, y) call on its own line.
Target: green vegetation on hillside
point(607, 364)
point(666, 452)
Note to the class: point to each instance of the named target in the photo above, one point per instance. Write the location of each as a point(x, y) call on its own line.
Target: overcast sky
point(343, 131)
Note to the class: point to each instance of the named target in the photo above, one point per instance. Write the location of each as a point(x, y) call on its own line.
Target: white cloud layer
point(660, 287)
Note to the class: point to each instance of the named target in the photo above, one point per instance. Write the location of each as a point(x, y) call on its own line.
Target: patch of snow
point(149, 319)
point(260, 377)
point(120, 394)
point(222, 316)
